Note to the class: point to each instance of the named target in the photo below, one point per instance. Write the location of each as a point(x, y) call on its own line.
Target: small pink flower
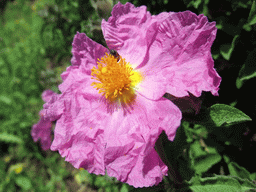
point(111, 108)
point(42, 130)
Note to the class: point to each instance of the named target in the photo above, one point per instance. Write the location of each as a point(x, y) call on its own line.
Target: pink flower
point(111, 108)
point(42, 130)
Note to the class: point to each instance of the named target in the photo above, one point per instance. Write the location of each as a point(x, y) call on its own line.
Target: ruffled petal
point(193, 76)
point(130, 155)
point(129, 31)
point(78, 133)
point(47, 95)
point(185, 41)
point(54, 108)
point(122, 140)
point(42, 131)
point(82, 147)
point(86, 52)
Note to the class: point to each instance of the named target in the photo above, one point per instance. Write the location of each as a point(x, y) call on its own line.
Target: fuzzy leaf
point(236, 170)
point(221, 114)
point(220, 183)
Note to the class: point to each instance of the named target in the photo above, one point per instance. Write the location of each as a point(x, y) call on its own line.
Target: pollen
point(115, 79)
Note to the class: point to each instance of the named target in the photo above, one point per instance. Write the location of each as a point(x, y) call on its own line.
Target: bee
point(115, 54)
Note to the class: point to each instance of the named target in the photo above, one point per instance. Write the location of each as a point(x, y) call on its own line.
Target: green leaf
point(188, 131)
point(227, 49)
point(248, 70)
point(203, 160)
point(194, 3)
point(225, 114)
point(2, 170)
point(8, 138)
point(100, 182)
point(253, 176)
point(220, 183)
point(23, 182)
point(239, 83)
point(6, 100)
point(124, 188)
point(236, 170)
point(252, 14)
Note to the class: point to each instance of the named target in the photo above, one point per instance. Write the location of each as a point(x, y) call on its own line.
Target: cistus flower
point(111, 108)
point(42, 130)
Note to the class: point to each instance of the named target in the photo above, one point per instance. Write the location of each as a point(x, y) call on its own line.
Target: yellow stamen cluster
point(116, 79)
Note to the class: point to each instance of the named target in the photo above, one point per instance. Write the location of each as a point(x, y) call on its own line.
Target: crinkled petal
point(78, 135)
point(42, 131)
point(47, 95)
point(93, 137)
point(178, 43)
point(129, 31)
point(54, 108)
point(82, 147)
point(130, 155)
point(86, 52)
point(194, 76)
point(185, 41)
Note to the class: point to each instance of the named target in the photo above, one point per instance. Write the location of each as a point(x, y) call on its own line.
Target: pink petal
point(185, 41)
point(54, 108)
point(130, 141)
point(129, 31)
point(91, 136)
point(42, 131)
point(47, 95)
point(86, 52)
point(153, 85)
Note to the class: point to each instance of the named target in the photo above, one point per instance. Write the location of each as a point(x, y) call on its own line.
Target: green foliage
point(20, 61)
point(204, 154)
point(221, 114)
point(5, 137)
point(203, 159)
point(227, 49)
point(221, 183)
point(23, 182)
point(248, 70)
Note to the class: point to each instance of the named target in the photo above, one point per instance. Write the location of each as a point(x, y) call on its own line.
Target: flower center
point(116, 79)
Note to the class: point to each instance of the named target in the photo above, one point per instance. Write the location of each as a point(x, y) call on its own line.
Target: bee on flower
point(115, 54)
